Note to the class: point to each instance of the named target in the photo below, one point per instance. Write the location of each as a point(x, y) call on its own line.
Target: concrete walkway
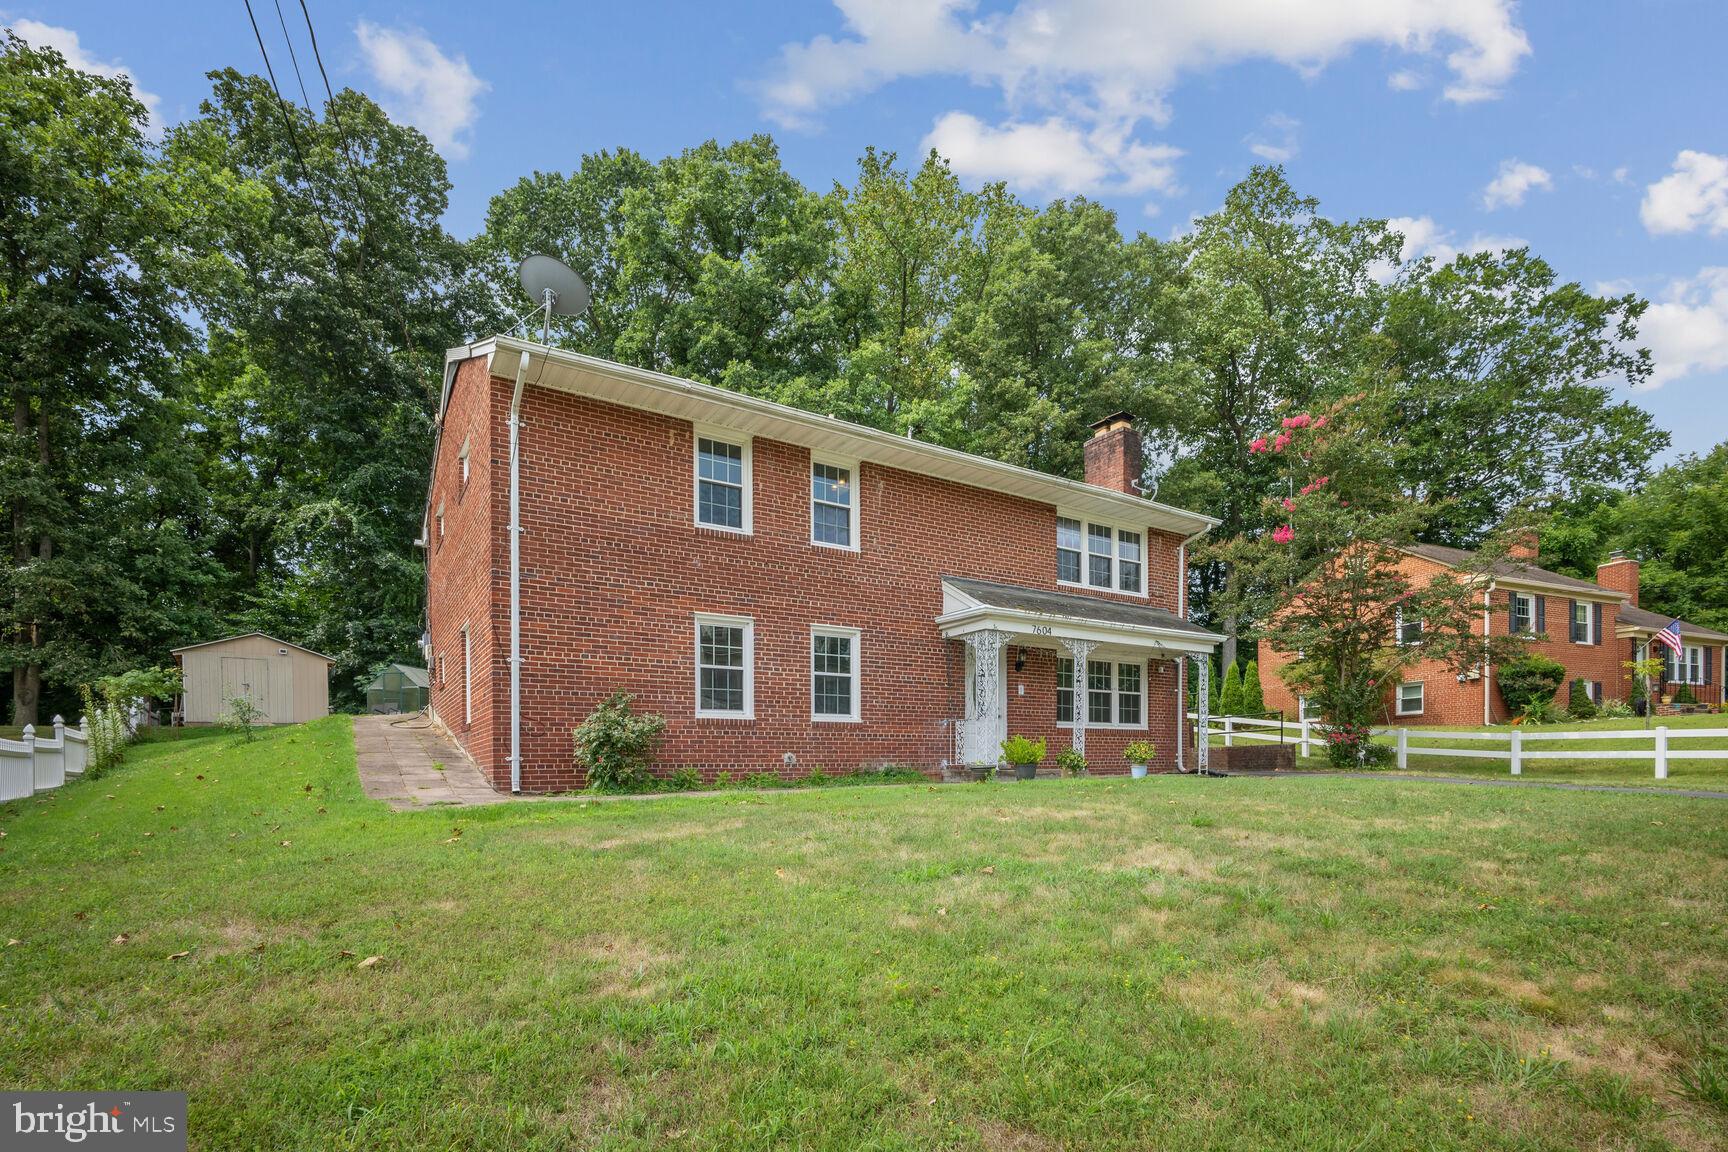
point(408, 763)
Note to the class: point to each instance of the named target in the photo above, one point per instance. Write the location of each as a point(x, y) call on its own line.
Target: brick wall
point(614, 569)
point(1447, 701)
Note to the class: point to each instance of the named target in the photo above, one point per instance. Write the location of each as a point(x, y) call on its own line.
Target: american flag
point(1669, 637)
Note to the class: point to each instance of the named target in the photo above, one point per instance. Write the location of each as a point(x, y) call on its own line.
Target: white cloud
point(1515, 181)
point(1053, 156)
point(1277, 141)
point(65, 41)
point(1404, 80)
point(438, 94)
point(1096, 67)
point(1687, 329)
point(1694, 195)
point(1423, 237)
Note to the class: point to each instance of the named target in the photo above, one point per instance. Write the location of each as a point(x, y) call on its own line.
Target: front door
point(248, 679)
point(986, 723)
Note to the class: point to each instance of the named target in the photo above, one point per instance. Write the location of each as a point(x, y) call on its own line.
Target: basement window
point(1410, 699)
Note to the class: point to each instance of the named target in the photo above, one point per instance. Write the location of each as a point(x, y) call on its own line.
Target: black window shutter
point(1541, 613)
point(1596, 625)
point(1572, 621)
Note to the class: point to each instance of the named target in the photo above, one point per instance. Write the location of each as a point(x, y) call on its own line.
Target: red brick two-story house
point(1575, 622)
point(788, 590)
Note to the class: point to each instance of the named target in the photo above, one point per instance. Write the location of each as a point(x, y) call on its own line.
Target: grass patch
point(1093, 963)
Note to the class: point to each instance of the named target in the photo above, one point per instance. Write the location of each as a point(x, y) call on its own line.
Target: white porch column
point(1203, 710)
point(1079, 651)
point(986, 648)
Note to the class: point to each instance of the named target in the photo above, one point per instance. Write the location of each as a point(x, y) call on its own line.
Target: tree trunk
point(1229, 641)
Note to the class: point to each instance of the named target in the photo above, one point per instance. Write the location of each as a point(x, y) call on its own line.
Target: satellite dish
point(554, 286)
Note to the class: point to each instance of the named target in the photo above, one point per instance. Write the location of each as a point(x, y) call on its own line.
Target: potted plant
point(1025, 754)
point(1139, 753)
point(1072, 761)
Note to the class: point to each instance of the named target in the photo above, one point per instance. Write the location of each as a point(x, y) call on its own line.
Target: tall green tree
point(99, 234)
point(321, 374)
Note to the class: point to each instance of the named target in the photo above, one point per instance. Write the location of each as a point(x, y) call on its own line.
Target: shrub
point(240, 716)
point(1578, 703)
point(615, 745)
point(1351, 747)
point(1615, 710)
point(1072, 762)
point(1529, 682)
point(1023, 750)
point(1140, 752)
point(1230, 697)
point(1253, 698)
point(1683, 695)
point(685, 779)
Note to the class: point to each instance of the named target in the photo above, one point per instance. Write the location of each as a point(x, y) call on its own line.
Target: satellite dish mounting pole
point(548, 298)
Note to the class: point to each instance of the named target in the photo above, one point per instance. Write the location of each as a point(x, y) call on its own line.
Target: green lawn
point(1173, 963)
point(1712, 774)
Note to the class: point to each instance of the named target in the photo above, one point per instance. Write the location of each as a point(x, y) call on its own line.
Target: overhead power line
point(287, 117)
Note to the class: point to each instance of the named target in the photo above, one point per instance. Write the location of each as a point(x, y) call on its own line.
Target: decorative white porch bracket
point(1203, 707)
point(986, 648)
point(1079, 651)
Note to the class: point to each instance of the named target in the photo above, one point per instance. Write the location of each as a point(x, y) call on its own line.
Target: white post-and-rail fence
point(1512, 742)
point(38, 763)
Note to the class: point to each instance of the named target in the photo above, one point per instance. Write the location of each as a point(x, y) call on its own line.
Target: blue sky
point(1592, 131)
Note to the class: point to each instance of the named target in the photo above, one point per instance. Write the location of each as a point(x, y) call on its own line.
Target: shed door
point(242, 677)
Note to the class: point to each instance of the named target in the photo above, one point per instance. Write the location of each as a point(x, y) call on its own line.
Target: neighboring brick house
point(1699, 663)
point(1575, 622)
point(788, 590)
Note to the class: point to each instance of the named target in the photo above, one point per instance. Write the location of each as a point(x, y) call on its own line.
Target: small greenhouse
point(398, 688)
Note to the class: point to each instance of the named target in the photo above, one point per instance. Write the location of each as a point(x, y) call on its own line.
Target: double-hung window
point(1068, 550)
point(1408, 629)
point(1114, 694)
point(1581, 622)
point(1683, 667)
point(1523, 613)
point(1100, 556)
point(834, 674)
point(724, 666)
point(1410, 699)
point(723, 482)
point(833, 505)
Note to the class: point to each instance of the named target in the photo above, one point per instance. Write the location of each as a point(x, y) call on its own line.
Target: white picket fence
point(1511, 743)
point(38, 763)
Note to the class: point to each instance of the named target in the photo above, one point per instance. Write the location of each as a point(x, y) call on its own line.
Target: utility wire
point(341, 129)
point(293, 58)
point(287, 117)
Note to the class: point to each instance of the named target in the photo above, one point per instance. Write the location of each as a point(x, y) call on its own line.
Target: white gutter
point(516, 582)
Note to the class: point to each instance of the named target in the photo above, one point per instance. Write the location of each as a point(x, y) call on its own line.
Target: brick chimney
point(1113, 455)
point(1620, 574)
point(1523, 546)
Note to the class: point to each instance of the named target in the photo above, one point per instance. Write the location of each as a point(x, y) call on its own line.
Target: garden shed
point(286, 683)
point(398, 688)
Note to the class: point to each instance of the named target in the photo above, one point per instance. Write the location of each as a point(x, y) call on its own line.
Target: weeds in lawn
point(1704, 1080)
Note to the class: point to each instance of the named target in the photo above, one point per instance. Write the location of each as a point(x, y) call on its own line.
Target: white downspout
point(1487, 665)
point(1182, 661)
point(516, 583)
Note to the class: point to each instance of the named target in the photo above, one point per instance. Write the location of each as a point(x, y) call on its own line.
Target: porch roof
point(970, 605)
point(1635, 621)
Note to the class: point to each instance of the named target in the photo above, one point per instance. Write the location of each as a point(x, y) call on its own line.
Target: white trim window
point(467, 444)
point(1411, 698)
point(1683, 667)
point(1115, 694)
point(834, 504)
point(722, 481)
point(834, 674)
point(1523, 613)
point(1582, 615)
point(1106, 556)
point(1068, 532)
point(725, 667)
point(1406, 633)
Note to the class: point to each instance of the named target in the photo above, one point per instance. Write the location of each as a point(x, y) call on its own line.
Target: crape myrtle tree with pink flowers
point(1324, 568)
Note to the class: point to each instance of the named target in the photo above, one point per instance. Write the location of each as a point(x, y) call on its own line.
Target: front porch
point(1077, 671)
